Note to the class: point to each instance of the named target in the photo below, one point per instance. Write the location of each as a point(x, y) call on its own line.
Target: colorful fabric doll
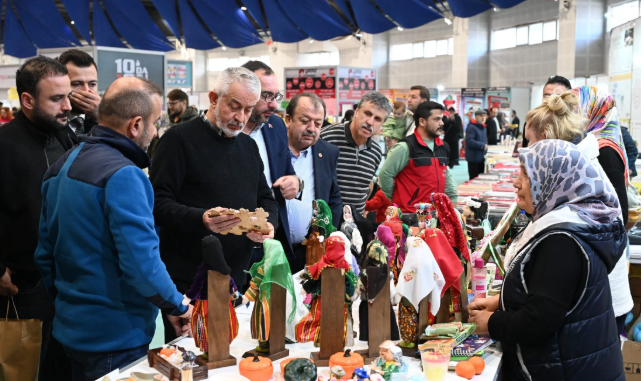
point(350, 229)
point(273, 268)
point(400, 230)
point(422, 211)
point(390, 361)
point(420, 277)
point(365, 228)
point(319, 230)
point(374, 275)
point(450, 224)
point(213, 256)
point(475, 213)
point(308, 329)
point(348, 255)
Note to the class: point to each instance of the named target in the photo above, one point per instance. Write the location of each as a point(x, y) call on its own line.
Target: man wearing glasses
point(178, 108)
point(270, 134)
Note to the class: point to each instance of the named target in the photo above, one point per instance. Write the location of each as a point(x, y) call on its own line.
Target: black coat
point(23, 164)
point(631, 150)
point(453, 132)
point(492, 131)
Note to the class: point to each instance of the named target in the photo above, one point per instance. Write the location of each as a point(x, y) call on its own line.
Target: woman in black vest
point(554, 317)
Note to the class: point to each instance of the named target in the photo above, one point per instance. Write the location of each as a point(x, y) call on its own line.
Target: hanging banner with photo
point(320, 81)
point(179, 74)
point(500, 96)
point(117, 64)
point(473, 99)
point(354, 83)
point(450, 98)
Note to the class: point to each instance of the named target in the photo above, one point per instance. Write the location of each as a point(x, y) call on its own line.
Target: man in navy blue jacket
point(98, 252)
point(269, 132)
point(314, 160)
point(476, 144)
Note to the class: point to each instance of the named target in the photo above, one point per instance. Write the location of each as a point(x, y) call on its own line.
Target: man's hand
point(485, 148)
point(6, 287)
point(220, 223)
point(480, 318)
point(86, 101)
point(258, 237)
point(181, 324)
point(490, 304)
point(289, 186)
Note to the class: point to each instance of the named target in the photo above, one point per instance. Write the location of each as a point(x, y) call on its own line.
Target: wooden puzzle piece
point(250, 221)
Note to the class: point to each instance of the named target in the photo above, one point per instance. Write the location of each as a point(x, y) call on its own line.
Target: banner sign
point(355, 83)
point(320, 81)
point(179, 73)
point(116, 64)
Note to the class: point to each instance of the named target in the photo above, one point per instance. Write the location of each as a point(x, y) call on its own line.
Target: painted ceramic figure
point(213, 255)
point(337, 373)
point(273, 268)
point(308, 329)
point(390, 361)
point(360, 374)
point(319, 230)
point(420, 277)
point(350, 229)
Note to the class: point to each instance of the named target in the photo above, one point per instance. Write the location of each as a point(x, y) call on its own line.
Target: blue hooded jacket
point(98, 252)
point(475, 142)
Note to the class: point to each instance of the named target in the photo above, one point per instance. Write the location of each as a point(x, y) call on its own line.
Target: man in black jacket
point(493, 126)
point(29, 144)
point(83, 75)
point(207, 163)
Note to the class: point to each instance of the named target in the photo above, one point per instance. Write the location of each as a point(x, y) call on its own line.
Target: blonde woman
point(587, 116)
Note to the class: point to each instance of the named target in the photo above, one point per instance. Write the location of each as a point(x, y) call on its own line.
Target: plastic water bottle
point(522, 220)
point(479, 275)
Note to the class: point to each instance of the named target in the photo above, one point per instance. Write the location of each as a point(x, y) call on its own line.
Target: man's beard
point(144, 140)
point(49, 122)
point(258, 118)
point(224, 126)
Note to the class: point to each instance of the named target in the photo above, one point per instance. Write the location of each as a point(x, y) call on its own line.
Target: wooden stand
point(277, 330)
point(218, 321)
point(379, 324)
point(331, 316)
point(464, 301)
point(423, 310)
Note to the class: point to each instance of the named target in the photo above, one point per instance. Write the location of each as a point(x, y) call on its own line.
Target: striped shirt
point(356, 165)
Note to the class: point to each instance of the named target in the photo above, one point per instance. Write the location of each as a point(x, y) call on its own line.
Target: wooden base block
point(411, 352)
point(273, 357)
point(365, 354)
point(230, 361)
point(315, 356)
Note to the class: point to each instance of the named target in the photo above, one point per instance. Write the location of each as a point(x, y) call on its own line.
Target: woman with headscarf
point(308, 329)
point(554, 316)
point(587, 116)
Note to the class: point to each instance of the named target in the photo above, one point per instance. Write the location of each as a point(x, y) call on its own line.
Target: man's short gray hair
point(377, 99)
point(237, 74)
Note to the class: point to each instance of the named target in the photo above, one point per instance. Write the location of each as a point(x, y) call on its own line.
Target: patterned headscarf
point(276, 270)
point(600, 110)
point(333, 257)
point(450, 223)
point(561, 175)
point(375, 273)
point(324, 217)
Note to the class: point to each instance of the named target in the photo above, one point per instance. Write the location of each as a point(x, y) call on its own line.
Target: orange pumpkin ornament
point(349, 361)
point(256, 368)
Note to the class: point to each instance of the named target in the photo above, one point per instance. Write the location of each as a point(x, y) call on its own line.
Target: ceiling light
point(496, 9)
point(440, 87)
point(606, 15)
point(72, 22)
point(358, 35)
point(223, 48)
point(448, 21)
point(243, 8)
point(310, 41)
point(400, 29)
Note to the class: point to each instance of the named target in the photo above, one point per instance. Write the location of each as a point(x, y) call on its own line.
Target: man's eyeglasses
point(173, 103)
point(270, 97)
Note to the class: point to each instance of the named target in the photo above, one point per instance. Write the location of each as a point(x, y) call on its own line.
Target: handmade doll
point(350, 229)
point(400, 230)
point(319, 230)
point(390, 361)
point(422, 211)
point(213, 259)
point(337, 373)
point(273, 268)
point(420, 277)
point(348, 255)
point(450, 224)
point(365, 228)
point(475, 213)
point(308, 329)
point(374, 275)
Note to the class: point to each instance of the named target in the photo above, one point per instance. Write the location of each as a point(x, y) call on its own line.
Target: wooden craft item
point(173, 372)
point(464, 300)
point(277, 331)
point(423, 314)
point(331, 316)
point(379, 315)
point(219, 321)
point(250, 221)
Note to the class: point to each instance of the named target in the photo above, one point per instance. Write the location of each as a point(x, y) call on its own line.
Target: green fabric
point(324, 217)
point(276, 270)
point(394, 128)
point(397, 159)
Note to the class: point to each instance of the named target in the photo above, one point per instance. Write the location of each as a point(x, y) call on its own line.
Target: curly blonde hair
point(556, 118)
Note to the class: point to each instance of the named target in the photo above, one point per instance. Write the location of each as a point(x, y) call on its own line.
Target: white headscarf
point(420, 275)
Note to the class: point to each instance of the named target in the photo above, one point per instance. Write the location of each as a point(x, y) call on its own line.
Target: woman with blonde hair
point(587, 116)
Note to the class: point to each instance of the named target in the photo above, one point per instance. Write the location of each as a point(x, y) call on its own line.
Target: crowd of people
point(94, 248)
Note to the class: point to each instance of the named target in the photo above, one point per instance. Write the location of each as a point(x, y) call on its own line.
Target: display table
point(244, 342)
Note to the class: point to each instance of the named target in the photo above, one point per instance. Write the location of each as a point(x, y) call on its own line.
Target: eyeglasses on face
point(270, 97)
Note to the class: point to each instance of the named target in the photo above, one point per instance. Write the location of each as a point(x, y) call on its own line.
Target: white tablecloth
point(244, 342)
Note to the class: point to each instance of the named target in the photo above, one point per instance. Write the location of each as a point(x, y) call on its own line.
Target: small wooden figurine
point(250, 221)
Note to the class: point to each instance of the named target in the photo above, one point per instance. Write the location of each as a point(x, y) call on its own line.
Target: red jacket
point(379, 203)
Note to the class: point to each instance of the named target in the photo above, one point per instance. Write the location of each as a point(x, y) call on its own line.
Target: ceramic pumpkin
point(300, 370)
point(286, 361)
point(256, 368)
point(349, 361)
